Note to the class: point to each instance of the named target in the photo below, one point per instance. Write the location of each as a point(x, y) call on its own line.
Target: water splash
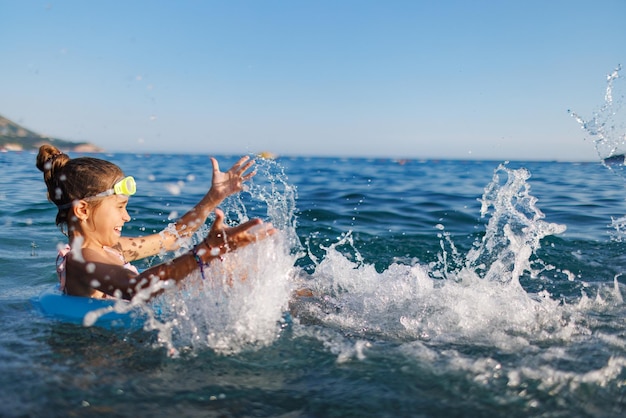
point(242, 305)
point(514, 231)
point(607, 126)
point(481, 301)
point(607, 129)
point(467, 314)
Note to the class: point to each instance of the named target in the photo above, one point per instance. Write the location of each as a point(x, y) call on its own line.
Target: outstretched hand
point(225, 239)
point(230, 182)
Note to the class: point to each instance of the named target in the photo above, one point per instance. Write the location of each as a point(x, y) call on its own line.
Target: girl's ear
point(81, 210)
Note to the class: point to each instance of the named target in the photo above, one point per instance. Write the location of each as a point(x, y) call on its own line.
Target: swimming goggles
point(125, 186)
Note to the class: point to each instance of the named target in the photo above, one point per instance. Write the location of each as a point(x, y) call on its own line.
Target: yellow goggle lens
point(126, 186)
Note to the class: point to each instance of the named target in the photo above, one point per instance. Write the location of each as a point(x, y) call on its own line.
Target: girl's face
point(107, 220)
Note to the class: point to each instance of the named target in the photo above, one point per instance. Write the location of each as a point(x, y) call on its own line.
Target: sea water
point(434, 288)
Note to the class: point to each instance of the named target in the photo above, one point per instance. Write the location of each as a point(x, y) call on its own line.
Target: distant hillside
point(14, 137)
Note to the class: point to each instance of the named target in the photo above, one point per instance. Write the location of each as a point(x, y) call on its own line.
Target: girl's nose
point(125, 216)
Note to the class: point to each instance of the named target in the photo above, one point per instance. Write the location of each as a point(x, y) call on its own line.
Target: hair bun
point(48, 155)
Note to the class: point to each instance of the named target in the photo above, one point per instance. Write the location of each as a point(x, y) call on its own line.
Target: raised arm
point(223, 184)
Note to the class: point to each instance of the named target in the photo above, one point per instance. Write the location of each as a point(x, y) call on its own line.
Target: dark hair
point(69, 179)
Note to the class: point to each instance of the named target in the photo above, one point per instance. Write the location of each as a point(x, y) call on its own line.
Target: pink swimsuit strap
point(61, 264)
point(127, 265)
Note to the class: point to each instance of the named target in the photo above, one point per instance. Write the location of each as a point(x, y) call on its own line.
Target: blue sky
point(402, 79)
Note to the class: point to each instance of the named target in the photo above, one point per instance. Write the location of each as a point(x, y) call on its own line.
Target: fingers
point(244, 227)
point(241, 234)
point(216, 165)
point(255, 231)
point(263, 230)
point(218, 223)
point(247, 233)
point(241, 161)
point(237, 173)
point(251, 174)
point(242, 166)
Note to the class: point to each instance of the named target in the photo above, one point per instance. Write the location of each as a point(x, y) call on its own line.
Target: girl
point(91, 195)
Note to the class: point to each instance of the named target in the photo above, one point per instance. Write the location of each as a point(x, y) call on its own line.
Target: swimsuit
point(62, 261)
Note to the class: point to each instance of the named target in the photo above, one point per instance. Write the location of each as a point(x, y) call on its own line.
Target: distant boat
point(267, 155)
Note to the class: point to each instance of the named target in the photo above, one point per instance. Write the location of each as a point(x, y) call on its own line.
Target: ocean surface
point(439, 289)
